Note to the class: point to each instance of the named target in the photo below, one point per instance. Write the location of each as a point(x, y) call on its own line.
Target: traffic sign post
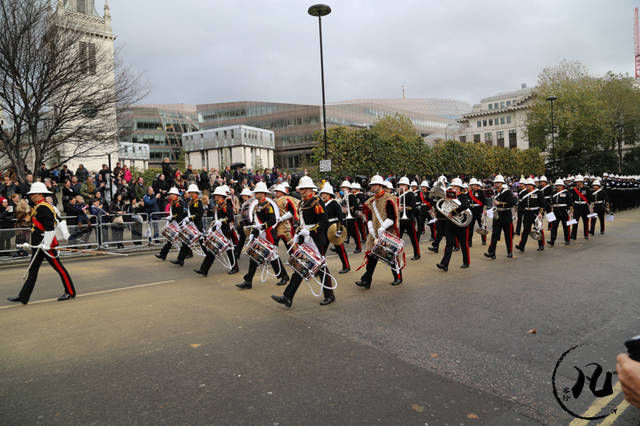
point(325, 166)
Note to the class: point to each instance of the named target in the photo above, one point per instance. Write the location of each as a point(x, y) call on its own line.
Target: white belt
point(504, 209)
point(559, 205)
point(580, 202)
point(333, 220)
point(533, 208)
point(476, 205)
point(599, 202)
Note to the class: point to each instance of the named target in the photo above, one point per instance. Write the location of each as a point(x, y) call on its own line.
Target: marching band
point(309, 220)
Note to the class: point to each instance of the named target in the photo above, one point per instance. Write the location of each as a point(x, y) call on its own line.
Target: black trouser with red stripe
point(580, 212)
point(38, 256)
point(353, 232)
point(529, 219)
point(503, 224)
point(409, 226)
point(439, 230)
point(561, 218)
point(362, 228)
point(600, 212)
point(454, 233)
point(421, 217)
point(342, 254)
point(372, 261)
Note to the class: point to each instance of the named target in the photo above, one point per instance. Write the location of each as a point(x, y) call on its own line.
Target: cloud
point(198, 51)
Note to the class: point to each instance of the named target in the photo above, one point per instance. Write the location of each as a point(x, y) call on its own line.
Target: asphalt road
point(151, 343)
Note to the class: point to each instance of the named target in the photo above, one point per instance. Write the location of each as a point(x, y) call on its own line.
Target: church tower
point(97, 45)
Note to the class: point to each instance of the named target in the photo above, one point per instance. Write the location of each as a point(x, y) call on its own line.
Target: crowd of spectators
point(89, 199)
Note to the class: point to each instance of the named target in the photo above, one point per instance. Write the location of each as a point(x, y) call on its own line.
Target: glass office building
point(295, 124)
point(159, 126)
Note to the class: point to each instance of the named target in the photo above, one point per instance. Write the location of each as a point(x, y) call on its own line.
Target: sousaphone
point(332, 234)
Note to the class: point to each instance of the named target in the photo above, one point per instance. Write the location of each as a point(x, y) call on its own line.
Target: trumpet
point(403, 204)
point(347, 206)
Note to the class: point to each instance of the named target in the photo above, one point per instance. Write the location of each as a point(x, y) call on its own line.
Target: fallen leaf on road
point(472, 416)
point(533, 331)
point(195, 345)
point(434, 355)
point(417, 408)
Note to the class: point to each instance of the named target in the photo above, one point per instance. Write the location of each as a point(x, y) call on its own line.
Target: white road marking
point(94, 293)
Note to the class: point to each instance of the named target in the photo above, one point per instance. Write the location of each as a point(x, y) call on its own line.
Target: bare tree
point(59, 95)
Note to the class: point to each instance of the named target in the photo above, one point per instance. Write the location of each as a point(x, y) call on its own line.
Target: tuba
point(446, 206)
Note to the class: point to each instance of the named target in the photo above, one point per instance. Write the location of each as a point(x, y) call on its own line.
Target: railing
point(137, 231)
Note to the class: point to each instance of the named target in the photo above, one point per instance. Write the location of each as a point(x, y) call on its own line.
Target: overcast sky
point(206, 51)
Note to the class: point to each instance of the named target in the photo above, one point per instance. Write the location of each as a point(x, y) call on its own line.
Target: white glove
point(258, 226)
point(47, 240)
point(217, 224)
point(381, 231)
point(285, 216)
point(370, 227)
point(304, 233)
point(387, 223)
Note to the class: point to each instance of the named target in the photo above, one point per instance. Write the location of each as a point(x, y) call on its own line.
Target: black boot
point(363, 283)
point(442, 267)
point(245, 285)
point(17, 299)
point(234, 270)
point(327, 300)
point(344, 270)
point(490, 255)
point(283, 280)
point(200, 272)
point(178, 262)
point(159, 256)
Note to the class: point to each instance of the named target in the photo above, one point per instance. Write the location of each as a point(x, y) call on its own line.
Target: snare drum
point(216, 242)
point(261, 251)
point(190, 234)
point(388, 247)
point(171, 232)
point(305, 261)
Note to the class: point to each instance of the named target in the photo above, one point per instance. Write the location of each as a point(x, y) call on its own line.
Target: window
point(82, 6)
point(479, 123)
point(495, 106)
point(502, 104)
point(488, 138)
point(508, 103)
point(490, 106)
point(500, 138)
point(463, 138)
point(513, 139)
point(87, 58)
point(491, 122)
point(508, 119)
point(484, 123)
point(231, 133)
point(501, 120)
point(476, 138)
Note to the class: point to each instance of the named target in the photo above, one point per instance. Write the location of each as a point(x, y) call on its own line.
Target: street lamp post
point(321, 10)
point(553, 133)
point(619, 129)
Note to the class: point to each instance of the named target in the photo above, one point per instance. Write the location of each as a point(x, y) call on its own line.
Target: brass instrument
point(348, 208)
point(446, 206)
point(403, 205)
point(483, 230)
point(536, 233)
point(332, 234)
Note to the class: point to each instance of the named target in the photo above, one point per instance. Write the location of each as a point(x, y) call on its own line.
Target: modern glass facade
point(295, 124)
point(159, 126)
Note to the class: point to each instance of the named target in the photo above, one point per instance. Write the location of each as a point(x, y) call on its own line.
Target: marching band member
point(600, 201)
point(424, 216)
point(264, 220)
point(312, 231)
point(454, 232)
point(521, 191)
point(478, 201)
point(381, 212)
point(177, 213)
point(441, 222)
point(547, 191)
point(407, 204)
point(222, 221)
point(195, 211)
point(533, 206)
point(581, 199)
point(350, 204)
point(503, 201)
point(361, 198)
point(246, 197)
point(561, 202)
point(44, 243)
point(288, 215)
point(334, 215)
